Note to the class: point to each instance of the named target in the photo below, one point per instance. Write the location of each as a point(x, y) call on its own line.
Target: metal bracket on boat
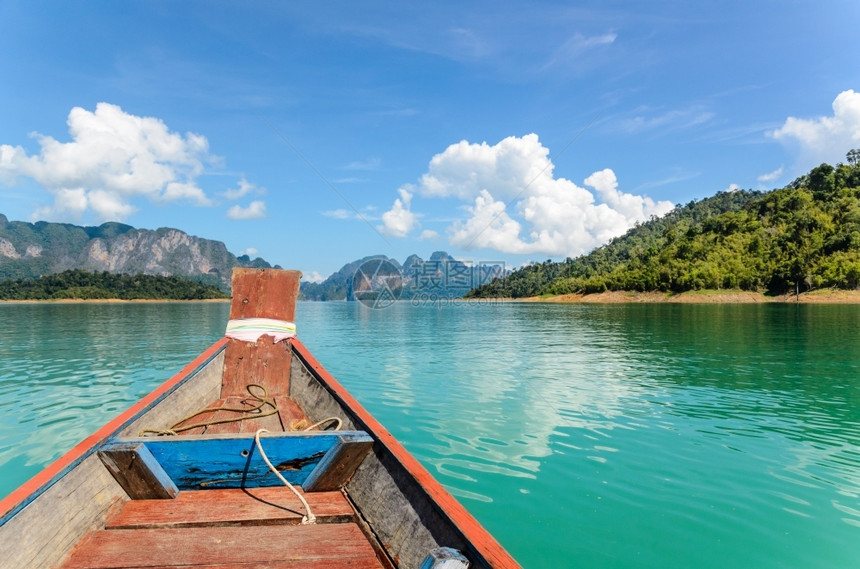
point(160, 467)
point(444, 558)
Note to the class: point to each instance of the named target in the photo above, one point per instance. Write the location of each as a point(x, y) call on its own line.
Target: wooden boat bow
point(202, 497)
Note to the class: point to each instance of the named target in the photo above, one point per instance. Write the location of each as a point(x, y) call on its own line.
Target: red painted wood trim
point(485, 544)
point(90, 444)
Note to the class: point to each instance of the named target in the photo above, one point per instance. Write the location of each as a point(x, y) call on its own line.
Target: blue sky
point(313, 134)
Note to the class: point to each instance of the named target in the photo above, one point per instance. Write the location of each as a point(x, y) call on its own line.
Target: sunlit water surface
point(606, 436)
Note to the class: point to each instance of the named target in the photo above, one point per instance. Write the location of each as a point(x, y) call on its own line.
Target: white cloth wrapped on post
point(250, 329)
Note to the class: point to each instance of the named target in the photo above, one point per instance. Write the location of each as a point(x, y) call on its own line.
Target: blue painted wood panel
point(233, 461)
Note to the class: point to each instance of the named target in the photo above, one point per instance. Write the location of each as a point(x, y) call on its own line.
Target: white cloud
point(826, 139)
point(464, 169)
point(175, 191)
point(771, 176)
point(488, 227)
point(367, 214)
point(428, 234)
point(515, 205)
point(255, 210)
point(245, 188)
point(339, 213)
point(74, 201)
point(250, 251)
point(313, 277)
point(113, 158)
point(732, 188)
point(399, 220)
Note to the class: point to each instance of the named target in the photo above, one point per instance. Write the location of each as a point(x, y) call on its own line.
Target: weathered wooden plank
point(349, 563)
point(292, 416)
point(137, 471)
point(262, 362)
point(251, 506)
point(253, 546)
point(233, 461)
point(42, 533)
point(339, 464)
point(260, 293)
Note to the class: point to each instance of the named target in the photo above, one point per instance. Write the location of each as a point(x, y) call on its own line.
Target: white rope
point(310, 518)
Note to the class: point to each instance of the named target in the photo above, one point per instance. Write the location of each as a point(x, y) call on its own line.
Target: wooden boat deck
point(231, 528)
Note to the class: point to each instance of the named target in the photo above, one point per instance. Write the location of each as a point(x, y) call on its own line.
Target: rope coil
point(256, 412)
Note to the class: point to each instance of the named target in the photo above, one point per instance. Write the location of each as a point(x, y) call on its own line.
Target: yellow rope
point(257, 412)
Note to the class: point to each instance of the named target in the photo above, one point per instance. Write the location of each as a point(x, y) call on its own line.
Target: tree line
point(794, 239)
point(84, 285)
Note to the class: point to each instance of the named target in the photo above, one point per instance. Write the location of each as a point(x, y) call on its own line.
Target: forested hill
point(798, 238)
point(83, 285)
point(30, 250)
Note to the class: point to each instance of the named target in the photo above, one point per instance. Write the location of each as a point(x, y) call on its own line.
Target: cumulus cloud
point(255, 210)
point(514, 204)
point(112, 159)
point(399, 220)
point(826, 139)
point(244, 188)
point(428, 234)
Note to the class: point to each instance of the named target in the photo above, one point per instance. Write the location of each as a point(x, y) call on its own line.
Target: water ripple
point(618, 436)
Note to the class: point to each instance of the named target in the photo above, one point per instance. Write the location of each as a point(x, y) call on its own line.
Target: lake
point(604, 436)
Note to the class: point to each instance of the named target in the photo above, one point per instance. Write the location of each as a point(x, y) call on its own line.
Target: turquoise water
point(611, 436)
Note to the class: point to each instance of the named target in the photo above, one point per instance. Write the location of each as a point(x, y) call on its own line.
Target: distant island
point(32, 250)
point(439, 277)
point(799, 241)
point(83, 285)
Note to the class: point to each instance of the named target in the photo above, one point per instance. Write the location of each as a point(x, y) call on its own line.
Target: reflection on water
point(615, 436)
point(624, 436)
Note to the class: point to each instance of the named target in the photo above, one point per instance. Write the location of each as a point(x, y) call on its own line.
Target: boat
point(253, 455)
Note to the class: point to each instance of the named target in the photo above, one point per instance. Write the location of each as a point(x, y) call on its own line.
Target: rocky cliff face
point(440, 277)
point(30, 250)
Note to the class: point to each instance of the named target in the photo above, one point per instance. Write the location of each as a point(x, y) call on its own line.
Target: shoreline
point(109, 301)
point(825, 296)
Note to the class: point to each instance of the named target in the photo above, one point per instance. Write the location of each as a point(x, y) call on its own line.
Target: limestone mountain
point(30, 250)
point(440, 276)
